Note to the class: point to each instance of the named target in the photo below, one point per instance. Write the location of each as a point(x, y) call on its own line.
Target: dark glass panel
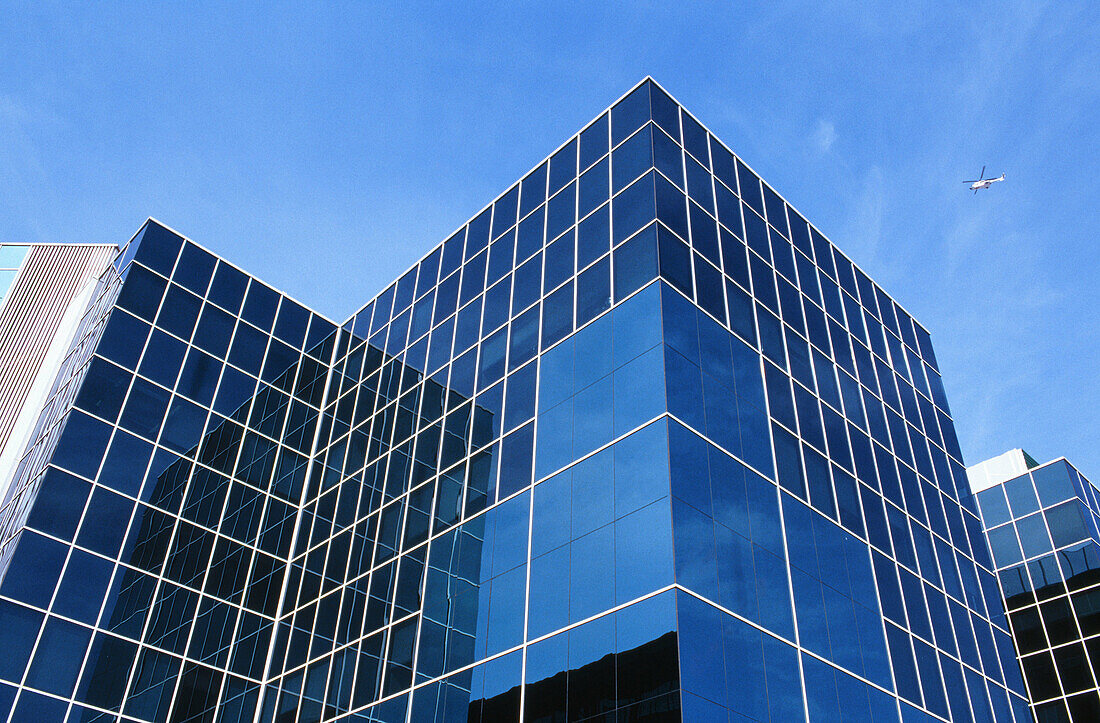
point(558, 261)
point(163, 359)
point(123, 339)
point(260, 305)
point(18, 631)
point(33, 708)
point(593, 141)
point(631, 159)
point(103, 389)
point(593, 237)
point(504, 211)
point(291, 323)
point(82, 444)
point(515, 461)
point(141, 293)
point(563, 167)
point(58, 657)
point(179, 312)
point(633, 208)
point(158, 248)
point(635, 263)
point(227, 289)
point(630, 113)
point(214, 331)
point(194, 269)
point(533, 190)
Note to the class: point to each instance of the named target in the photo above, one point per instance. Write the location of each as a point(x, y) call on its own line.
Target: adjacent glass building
point(637, 443)
point(1042, 525)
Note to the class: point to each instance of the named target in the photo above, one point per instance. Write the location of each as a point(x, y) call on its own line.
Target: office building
point(636, 443)
point(44, 289)
point(1042, 525)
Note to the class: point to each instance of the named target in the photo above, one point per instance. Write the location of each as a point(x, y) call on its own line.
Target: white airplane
point(983, 182)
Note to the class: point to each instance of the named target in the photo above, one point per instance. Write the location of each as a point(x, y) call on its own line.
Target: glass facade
point(637, 443)
point(1043, 530)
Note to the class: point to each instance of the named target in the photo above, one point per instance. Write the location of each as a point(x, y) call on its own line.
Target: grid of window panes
point(147, 575)
point(857, 411)
point(1043, 531)
point(542, 482)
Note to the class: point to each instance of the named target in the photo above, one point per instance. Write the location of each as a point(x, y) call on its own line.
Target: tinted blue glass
point(635, 263)
point(1021, 496)
point(631, 159)
point(157, 248)
point(593, 236)
point(549, 602)
point(633, 208)
point(592, 493)
point(533, 190)
point(123, 339)
point(591, 587)
point(696, 562)
point(557, 315)
point(675, 262)
point(105, 522)
point(667, 158)
point(702, 668)
point(523, 342)
point(104, 389)
point(125, 463)
point(228, 287)
point(558, 263)
point(563, 167)
point(630, 113)
point(34, 569)
point(604, 529)
point(163, 358)
point(195, 268)
point(639, 395)
point(643, 552)
point(1004, 545)
point(179, 312)
point(58, 657)
point(83, 588)
point(1033, 535)
point(506, 610)
point(593, 141)
point(1053, 482)
point(593, 189)
point(1066, 523)
point(515, 460)
point(593, 290)
point(33, 708)
point(18, 631)
point(593, 416)
point(259, 305)
point(781, 670)
point(59, 504)
point(521, 397)
point(641, 468)
point(527, 284)
point(291, 324)
point(141, 293)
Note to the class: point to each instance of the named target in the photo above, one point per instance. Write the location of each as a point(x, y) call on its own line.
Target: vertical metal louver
point(50, 277)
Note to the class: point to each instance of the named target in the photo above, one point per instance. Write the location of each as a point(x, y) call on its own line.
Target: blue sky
point(325, 150)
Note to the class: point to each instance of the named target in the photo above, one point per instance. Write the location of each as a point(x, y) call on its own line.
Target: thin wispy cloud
point(824, 136)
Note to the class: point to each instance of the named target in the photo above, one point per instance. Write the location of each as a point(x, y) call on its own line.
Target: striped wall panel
point(50, 277)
